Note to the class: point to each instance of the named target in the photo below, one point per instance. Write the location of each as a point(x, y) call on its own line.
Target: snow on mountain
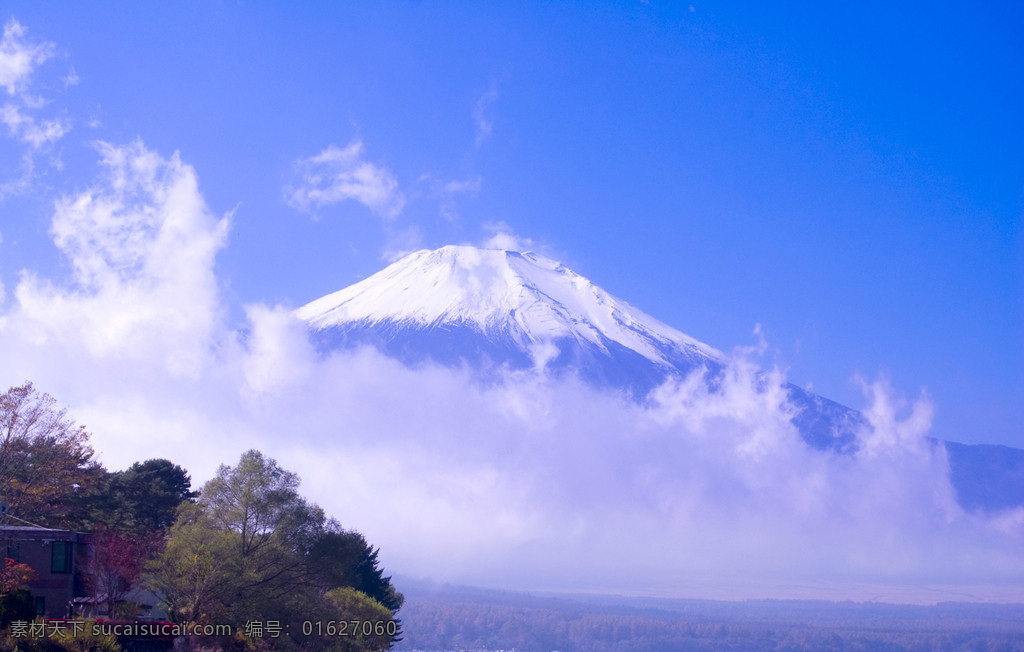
point(524, 297)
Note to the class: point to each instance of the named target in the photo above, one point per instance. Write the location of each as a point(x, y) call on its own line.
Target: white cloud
point(29, 130)
point(536, 482)
point(278, 352)
point(470, 186)
point(482, 118)
point(141, 244)
point(339, 174)
point(19, 57)
point(502, 236)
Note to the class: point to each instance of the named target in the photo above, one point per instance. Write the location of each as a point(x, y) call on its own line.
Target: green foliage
point(16, 605)
point(365, 621)
point(252, 549)
point(344, 558)
point(139, 500)
point(199, 570)
point(260, 501)
point(145, 497)
point(48, 475)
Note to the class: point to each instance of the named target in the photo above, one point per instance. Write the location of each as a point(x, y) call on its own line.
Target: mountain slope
point(523, 300)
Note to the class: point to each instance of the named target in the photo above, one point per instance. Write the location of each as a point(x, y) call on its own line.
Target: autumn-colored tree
point(15, 600)
point(45, 458)
point(117, 561)
point(14, 576)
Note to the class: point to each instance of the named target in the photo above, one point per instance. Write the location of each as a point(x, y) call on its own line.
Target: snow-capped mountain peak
point(522, 296)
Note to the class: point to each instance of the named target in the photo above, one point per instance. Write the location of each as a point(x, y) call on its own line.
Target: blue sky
point(851, 178)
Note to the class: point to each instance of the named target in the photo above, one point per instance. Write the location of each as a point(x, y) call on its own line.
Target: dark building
point(57, 556)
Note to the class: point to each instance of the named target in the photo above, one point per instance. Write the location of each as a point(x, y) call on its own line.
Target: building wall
point(57, 557)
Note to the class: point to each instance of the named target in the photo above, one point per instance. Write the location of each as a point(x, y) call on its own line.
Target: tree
point(16, 605)
point(239, 551)
point(368, 624)
point(344, 558)
point(15, 576)
point(142, 499)
point(45, 458)
point(198, 571)
point(117, 562)
point(259, 501)
point(15, 600)
point(251, 548)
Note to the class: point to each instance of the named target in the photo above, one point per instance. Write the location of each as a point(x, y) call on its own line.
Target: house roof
point(29, 533)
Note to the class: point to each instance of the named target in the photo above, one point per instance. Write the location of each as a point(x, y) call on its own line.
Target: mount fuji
point(493, 309)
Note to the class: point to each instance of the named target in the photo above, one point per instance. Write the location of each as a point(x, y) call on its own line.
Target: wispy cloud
point(341, 174)
point(469, 187)
point(29, 130)
point(401, 242)
point(482, 114)
point(503, 236)
point(71, 79)
point(20, 57)
point(449, 193)
point(19, 60)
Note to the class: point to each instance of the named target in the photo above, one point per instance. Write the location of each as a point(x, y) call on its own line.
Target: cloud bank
point(529, 481)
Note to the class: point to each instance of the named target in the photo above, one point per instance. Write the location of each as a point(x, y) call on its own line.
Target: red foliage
point(118, 560)
point(14, 576)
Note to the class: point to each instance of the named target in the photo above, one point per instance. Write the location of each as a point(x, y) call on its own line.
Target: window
point(40, 605)
point(60, 557)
